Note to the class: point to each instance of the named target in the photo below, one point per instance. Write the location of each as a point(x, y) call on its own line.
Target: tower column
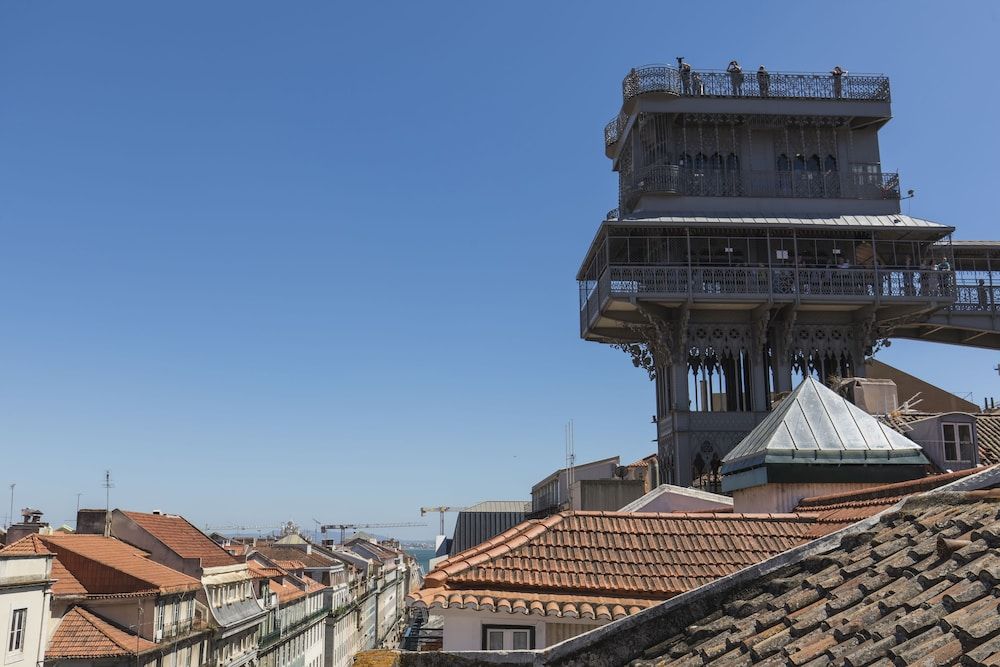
point(679, 387)
point(758, 375)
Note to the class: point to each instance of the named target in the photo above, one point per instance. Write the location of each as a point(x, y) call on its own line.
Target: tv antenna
point(570, 454)
point(108, 485)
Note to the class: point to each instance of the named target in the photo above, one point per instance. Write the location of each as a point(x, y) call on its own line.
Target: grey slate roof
point(500, 506)
point(478, 523)
point(840, 221)
point(815, 425)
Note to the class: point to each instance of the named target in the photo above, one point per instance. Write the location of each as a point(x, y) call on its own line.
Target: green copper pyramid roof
point(815, 425)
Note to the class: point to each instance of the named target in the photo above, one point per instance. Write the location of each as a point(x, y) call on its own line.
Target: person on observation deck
point(735, 77)
point(983, 294)
point(698, 84)
point(838, 74)
point(685, 79)
point(763, 81)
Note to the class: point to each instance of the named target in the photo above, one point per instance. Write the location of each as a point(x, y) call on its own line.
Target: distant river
point(423, 557)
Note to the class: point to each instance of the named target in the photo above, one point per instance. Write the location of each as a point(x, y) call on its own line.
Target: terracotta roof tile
point(851, 506)
point(988, 432)
point(65, 582)
point(27, 545)
point(608, 558)
point(906, 596)
point(286, 591)
point(284, 552)
point(183, 538)
point(83, 635)
point(105, 565)
point(258, 571)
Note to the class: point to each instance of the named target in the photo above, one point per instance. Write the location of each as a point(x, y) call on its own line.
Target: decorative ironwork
point(673, 179)
point(714, 83)
point(756, 281)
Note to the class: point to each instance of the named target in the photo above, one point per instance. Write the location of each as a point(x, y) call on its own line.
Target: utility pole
point(108, 485)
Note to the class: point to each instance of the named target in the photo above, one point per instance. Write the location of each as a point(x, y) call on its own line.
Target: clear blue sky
point(315, 260)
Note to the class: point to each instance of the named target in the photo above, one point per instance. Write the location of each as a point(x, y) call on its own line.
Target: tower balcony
point(863, 95)
point(616, 290)
point(862, 181)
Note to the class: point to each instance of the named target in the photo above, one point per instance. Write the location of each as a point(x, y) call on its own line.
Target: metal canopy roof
point(815, 425)
point(895, 220)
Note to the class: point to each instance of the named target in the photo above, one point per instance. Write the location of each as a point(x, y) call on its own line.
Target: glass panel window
point(957, 442)
point(15, 642)
point(508, 637)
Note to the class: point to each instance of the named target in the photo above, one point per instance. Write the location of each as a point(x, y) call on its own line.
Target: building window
point(15, 643)
point(508, 637)
point(957, 442)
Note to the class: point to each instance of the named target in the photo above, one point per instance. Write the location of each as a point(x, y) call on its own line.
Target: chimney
point(91, 521)
point(874, 396)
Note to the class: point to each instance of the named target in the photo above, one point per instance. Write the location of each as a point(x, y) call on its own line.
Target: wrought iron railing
point(613, 130)
point(677, 180)
point(668, 79)
point(975, 298)
point(763, 281)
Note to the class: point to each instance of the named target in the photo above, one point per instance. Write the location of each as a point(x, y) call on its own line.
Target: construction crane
point(354, 526)
point(244, 527)
point(441, 509)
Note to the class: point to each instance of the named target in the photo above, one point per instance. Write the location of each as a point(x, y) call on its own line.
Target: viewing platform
point(781, 89)
point(860, 181)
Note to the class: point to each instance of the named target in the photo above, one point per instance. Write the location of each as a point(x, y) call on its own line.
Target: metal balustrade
point(763, 282)
point(701, 182)
point(782, 85)
point(971, 298)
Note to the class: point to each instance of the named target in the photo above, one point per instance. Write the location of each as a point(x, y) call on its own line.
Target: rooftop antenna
point(108, 485)
point(570, 457)
point(10, 517)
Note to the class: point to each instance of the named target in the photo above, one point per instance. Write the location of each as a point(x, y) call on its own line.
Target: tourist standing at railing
point(698, 84)
point(983, 294)
point(908, 286)
point(763, 82)
point(736, 77)
point(838, 80)
point(926, 276)
point(685, 79)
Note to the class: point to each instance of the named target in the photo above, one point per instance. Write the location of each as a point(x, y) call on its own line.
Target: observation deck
point(775, 91)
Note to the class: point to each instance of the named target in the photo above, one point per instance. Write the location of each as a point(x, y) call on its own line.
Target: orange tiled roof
point(83, 635)
point(850, 506)
point(286, 591)
point(258, 571)
point(27, 545)
point(65, 582)
point(291, 564)
point(573, 563)
point(104, 565)
point(183, 538)
point(313, 586)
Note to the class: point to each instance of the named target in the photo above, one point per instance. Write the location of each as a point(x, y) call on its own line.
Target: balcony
point(777, 85)
point(861, 181)
point(781, 85)
point(775, 284)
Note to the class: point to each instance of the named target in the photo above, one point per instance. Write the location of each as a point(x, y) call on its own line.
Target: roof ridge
point(95, 622)
point(884, 490)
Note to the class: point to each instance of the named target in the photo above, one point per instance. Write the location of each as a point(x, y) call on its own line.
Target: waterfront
point(423, 557)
